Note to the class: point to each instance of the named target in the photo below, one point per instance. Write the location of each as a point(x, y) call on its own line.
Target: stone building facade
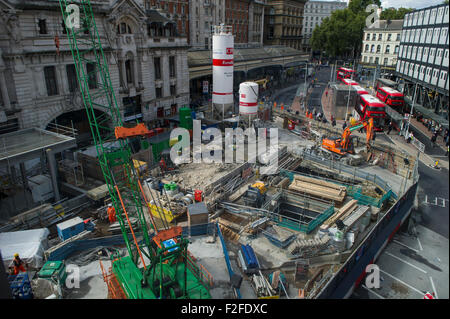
point(203, 15)
point(147, 62)
point(284, 22)
point(314, 13)
point(381, 44)
point(176, 10)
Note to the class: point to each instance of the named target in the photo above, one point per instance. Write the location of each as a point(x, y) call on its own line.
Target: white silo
point(223, 61)
point(248, 98)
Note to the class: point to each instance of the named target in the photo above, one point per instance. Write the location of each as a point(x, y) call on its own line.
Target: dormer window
point(123, 28)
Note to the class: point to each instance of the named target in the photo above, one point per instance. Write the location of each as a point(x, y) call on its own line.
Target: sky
point(416, 4)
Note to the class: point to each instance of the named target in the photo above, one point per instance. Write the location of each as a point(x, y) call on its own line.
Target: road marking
point(400, 243)
point(376, 294)
point(438, 201)
point(389, 254)
point(410, 287)
point(420, 245)
point(434, 288)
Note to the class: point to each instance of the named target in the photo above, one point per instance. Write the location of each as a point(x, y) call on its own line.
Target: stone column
point(62, 78)
point(4, 90)
point(39, 81)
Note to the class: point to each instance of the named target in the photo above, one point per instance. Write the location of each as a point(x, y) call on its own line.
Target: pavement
point(416, 261)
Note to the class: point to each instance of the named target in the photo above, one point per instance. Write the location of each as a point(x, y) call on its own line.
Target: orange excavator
point(344, 144)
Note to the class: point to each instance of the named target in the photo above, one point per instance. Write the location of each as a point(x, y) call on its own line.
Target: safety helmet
point(16, 255)
point(109, 205)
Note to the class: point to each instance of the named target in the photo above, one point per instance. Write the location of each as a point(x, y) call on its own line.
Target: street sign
point(205, 86)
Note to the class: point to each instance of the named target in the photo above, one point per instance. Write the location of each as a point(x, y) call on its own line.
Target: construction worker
point(111, 214)
point(19, 264)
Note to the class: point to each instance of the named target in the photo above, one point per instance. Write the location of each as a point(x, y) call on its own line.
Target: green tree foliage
point(394, 14)
point(341, 34)
point(357, 6)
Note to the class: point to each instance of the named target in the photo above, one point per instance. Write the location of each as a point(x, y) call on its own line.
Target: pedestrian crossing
point(436, 201)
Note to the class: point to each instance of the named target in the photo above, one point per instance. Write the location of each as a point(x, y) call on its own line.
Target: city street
point(411, 264)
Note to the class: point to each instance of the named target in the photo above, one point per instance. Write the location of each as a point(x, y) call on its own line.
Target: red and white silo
point(223, 61)
point(248, 98)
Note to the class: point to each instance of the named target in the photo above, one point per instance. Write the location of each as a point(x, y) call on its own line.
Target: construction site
point(119, 219)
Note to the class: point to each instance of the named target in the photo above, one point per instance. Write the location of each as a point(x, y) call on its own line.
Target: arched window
point(388, 49)
point(129, 70)
point(378, 48)
point(367, 48)
point(372, 48)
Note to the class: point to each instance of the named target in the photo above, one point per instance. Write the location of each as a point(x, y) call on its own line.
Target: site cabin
point(369, 106)
point(345, 73)
point(360, 90)
point(349, 82)
point(386, 82)
point(391, 97)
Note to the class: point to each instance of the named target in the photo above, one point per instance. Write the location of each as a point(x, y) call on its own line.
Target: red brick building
point(236, 15)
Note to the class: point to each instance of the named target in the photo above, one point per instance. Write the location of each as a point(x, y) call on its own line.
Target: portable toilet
point(70, 228)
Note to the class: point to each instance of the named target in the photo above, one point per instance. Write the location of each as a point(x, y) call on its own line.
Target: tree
point(394, 14)
point(357, 6)
point(341, 34)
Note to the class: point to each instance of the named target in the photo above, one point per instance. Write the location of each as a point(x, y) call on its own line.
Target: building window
point(367, 48)
point(365, 59)
point(377, 60)
point(158, 93)
point(42, 24)
point(123, 28)
point(63, 24)
point(374, 37)
point(50, 80)
point(380, 37)
point(388, 48)
point(172, 66)
point(173, 90)
point(157, 65)
point(396, 49)
point(389, 37)
point(72, 77)
point(370, 59)
point(92, 75)
point(385, 61)
point(129, 71)
point(378, 48)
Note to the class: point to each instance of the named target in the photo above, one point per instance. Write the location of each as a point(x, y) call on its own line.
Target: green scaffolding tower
point(168, 266)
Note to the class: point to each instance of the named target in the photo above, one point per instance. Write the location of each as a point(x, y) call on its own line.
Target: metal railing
point(349, 170)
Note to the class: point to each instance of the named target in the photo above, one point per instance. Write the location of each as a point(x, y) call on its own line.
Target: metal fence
point(356, 172)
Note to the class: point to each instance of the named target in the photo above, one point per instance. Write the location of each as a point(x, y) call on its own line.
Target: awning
point(429, 114)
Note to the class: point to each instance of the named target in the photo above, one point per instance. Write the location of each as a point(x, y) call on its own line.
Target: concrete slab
point(23, 145)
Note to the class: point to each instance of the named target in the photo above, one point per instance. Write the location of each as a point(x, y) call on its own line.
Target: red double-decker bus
point(349, 82)
point(345, 73)
point(369, 106)
point(360, 90)
point(391, 97)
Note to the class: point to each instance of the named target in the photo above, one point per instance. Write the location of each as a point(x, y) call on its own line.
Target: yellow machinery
point(261, 186)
